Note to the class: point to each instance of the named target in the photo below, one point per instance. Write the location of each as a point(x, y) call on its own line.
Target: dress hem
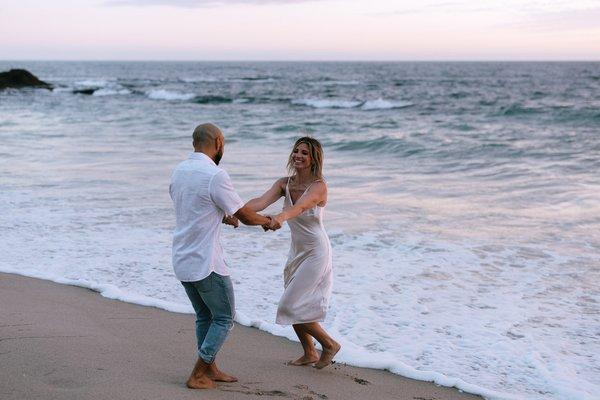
point(300, 322)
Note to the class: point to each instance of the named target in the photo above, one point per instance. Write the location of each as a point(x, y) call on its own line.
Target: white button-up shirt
point(202, 194)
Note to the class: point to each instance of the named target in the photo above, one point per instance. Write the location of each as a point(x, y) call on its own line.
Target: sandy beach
point(66, 342)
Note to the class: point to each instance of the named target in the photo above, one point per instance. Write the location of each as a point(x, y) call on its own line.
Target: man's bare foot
point(202, 382)
point(305, 360)
point(214, 373)
point(198, 378)
point(327, 355)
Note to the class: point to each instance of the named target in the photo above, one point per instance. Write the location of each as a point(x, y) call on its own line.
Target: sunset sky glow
point(299, 30)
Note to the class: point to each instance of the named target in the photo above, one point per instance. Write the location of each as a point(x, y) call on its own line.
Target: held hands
point(273, 225)
point(231, 220)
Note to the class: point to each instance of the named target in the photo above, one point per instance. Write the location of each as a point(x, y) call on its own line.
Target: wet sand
point(66, 342)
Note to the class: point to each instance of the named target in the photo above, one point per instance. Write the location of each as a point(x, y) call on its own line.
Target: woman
point(307, 275)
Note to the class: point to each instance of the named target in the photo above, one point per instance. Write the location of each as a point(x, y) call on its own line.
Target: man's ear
point(219, 142)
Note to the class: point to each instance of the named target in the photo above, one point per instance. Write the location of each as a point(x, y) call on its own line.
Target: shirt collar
point(196, 155)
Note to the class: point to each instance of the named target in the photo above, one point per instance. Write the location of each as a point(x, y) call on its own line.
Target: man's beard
point(218, 157)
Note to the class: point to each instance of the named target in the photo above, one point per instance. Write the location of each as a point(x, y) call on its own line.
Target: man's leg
point(198, 378)
point(221, 303)
point(203, 315)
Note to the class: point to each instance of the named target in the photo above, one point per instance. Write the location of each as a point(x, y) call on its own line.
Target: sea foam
point(378, 104)
point(381, 104)
point(163, 94)
point(317, 103)
point(111, 92)
point(93, 82)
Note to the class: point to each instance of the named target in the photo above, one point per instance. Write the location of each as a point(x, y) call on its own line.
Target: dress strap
point(287, 188)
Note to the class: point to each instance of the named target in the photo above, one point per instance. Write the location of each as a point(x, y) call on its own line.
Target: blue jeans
point(213, 301)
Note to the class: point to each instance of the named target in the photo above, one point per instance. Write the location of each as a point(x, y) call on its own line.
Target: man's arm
point(231, 220)
point(249, 217)
point(226, 198)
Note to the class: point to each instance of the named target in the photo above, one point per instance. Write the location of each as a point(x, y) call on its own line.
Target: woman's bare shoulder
point(318, 186)
point(281, 182)
point(320, 183)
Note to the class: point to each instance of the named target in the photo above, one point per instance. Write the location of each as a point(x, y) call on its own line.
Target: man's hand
point(273, 224)
point(231, 220)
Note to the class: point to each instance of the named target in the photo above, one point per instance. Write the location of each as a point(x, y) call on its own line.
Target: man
point(203, 196)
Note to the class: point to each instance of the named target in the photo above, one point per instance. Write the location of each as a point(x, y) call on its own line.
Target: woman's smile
point(301, 156)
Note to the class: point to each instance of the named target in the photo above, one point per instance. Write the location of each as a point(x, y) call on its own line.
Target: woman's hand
point(277, 222)
point(273, 224)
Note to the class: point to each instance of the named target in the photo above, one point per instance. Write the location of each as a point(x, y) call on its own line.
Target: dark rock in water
point(20, 78)
point(211, 99)
point(85, 91)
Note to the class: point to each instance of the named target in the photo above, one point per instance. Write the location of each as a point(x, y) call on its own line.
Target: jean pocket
point(205, 285)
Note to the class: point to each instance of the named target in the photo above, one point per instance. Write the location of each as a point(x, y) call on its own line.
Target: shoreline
point(63, 342)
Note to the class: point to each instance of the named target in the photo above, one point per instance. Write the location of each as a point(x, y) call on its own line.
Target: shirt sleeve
point(223, 194)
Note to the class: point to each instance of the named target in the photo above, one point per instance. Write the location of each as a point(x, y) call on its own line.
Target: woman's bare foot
point(305, 360)
point(198, 378)
point(214, 373)
point(327, 355)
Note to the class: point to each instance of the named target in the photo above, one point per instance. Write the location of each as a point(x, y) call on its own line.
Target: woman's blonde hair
point(316, 156)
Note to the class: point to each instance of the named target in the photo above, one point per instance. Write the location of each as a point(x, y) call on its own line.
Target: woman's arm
point(269, 197)
point(316, 194)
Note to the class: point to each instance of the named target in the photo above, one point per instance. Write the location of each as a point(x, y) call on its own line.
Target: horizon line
point(303, 60)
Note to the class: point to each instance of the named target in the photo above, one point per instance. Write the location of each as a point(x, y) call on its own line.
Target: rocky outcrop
point(20, 78)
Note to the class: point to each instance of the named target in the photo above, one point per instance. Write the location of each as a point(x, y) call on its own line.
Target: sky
point(371, 30)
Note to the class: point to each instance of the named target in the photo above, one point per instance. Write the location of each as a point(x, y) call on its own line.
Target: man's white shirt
point(202, 194)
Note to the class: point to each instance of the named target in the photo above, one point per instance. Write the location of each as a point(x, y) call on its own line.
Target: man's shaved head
point(209, 139)
point(205, 135)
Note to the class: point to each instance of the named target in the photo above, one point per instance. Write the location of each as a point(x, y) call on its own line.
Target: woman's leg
point(310, 352)
point(330, 346)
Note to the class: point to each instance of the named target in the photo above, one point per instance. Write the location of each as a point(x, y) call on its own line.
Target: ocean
point(464, 202)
